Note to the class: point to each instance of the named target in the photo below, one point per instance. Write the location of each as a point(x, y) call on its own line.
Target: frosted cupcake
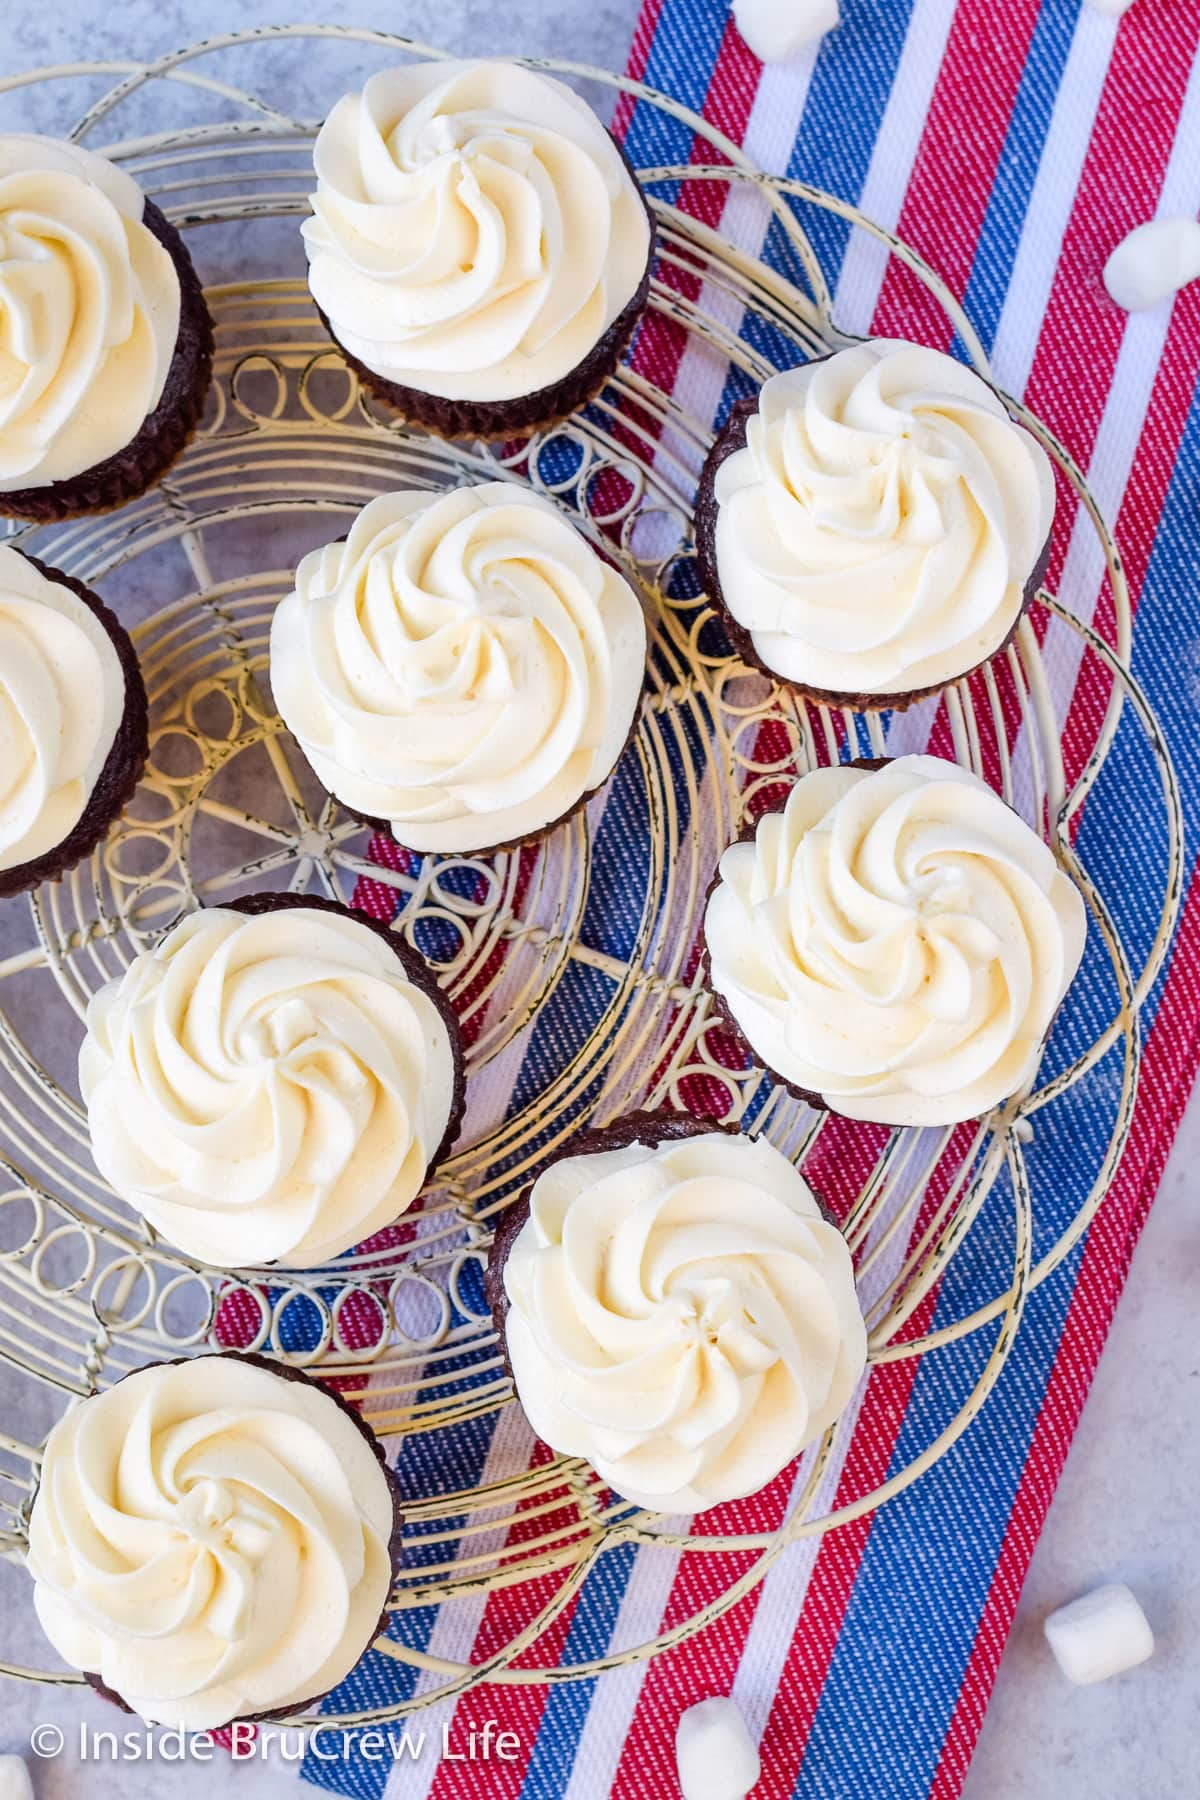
point(105, 340)
point(873, 525)
point(462, 667)
point(675, 1308)
point(479, 247)
point(213, 1540)
point(73, 731)
point(894, 943)
point(271, 1082)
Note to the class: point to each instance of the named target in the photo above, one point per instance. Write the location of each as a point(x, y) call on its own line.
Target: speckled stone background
point(1127, 1505)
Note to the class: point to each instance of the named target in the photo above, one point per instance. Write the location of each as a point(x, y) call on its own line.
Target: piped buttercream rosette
point(462, 666)
point(676, 1309)
point(105, 338)
point(271, 1082)
point(874, 524)
point(212, 1540)
point(894, 942)
point(73, 720)
point(478, 243)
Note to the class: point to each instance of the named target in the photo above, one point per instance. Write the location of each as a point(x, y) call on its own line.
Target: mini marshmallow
point(777, 29)
point(1100, 1634)
point(1153, 262)
point(715, 1754)
point(15, 1783)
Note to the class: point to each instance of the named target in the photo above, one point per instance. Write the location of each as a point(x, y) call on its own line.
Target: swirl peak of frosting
point(896, 941)
point(62, 697)
point(877, 532)
point(212, 1540)
point(475, 231)
point(89, 311)
point(681, 1315)
point(463, 665)
point(267, 1088)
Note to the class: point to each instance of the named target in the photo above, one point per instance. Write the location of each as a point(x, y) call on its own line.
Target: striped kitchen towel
point(1012, 144)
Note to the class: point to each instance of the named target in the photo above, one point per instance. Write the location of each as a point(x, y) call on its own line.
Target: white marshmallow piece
point(777, 30)
point(15, 1783)
point(1099, 1635)
point(715, 1754)
point(1153, 262)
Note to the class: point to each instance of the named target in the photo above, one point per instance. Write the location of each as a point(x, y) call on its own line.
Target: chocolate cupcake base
point(704, 968)
point(704, 975)
point(123, 766)
point(287, 1372)
point(415, 968)
point(516, 418)
point(732, 438)
point(649, 1128)
point(164, 433)
point(384, 826)
point(524, 413)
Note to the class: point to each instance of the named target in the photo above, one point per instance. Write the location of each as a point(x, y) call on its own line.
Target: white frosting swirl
point(896, 941)
point(62, 698)
point(475, 232)
point(266, 1088)
point(212, 1540)
point(463, 665)
point(89, 311)
point(878, 530)
point(682, 1316)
